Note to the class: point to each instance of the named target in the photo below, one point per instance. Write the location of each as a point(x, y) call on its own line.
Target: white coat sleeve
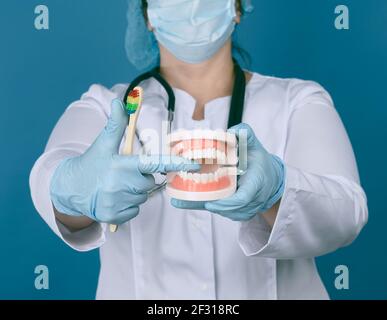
point(323, 207)
point(75, 131)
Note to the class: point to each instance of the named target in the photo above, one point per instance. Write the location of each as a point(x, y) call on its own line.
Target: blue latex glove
point(259, 188)
point(105, 186)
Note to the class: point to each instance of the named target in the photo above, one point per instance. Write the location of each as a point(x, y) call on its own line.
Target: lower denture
point(192, 186)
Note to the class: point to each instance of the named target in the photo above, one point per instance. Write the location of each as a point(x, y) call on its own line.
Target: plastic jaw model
point(216, 152)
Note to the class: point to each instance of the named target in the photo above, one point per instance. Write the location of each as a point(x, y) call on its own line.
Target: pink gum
point(192, 186)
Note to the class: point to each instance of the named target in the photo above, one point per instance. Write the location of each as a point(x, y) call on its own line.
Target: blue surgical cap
point(140, 43)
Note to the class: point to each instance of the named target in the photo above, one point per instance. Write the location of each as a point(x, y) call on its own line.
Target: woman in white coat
point(299, 199)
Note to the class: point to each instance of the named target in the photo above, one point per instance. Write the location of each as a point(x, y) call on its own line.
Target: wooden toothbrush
point(132, 107)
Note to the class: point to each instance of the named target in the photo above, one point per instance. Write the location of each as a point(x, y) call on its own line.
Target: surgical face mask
point(192, 30)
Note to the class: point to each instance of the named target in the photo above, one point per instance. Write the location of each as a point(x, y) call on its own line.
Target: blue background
point(41, 72)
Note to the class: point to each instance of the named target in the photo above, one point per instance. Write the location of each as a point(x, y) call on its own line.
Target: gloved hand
point(105, 186)
point(259, 188)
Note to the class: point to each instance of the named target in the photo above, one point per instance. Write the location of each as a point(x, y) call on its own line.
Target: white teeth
point(196, 177)
point(183, 174)
point(205, 177)
point(209, 161)
point(221, 156)
point(211, 153)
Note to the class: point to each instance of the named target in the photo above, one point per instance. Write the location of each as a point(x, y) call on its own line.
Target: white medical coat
point(169, 253)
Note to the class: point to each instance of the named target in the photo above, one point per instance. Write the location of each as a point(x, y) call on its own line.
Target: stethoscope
point(236, 107)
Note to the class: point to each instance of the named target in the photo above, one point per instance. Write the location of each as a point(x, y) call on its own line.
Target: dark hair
point(237, 50)
point(144, 4)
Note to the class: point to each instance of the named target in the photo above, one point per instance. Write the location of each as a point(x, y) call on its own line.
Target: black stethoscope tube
point(236, 107)
point(237, 100)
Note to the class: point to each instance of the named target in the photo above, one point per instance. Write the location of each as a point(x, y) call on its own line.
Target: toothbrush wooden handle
point(113, 228)
point(128, 147)
point(130, 134)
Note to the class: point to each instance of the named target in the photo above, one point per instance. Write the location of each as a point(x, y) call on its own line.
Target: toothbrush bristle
point(135, 93)
point(133, 101)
